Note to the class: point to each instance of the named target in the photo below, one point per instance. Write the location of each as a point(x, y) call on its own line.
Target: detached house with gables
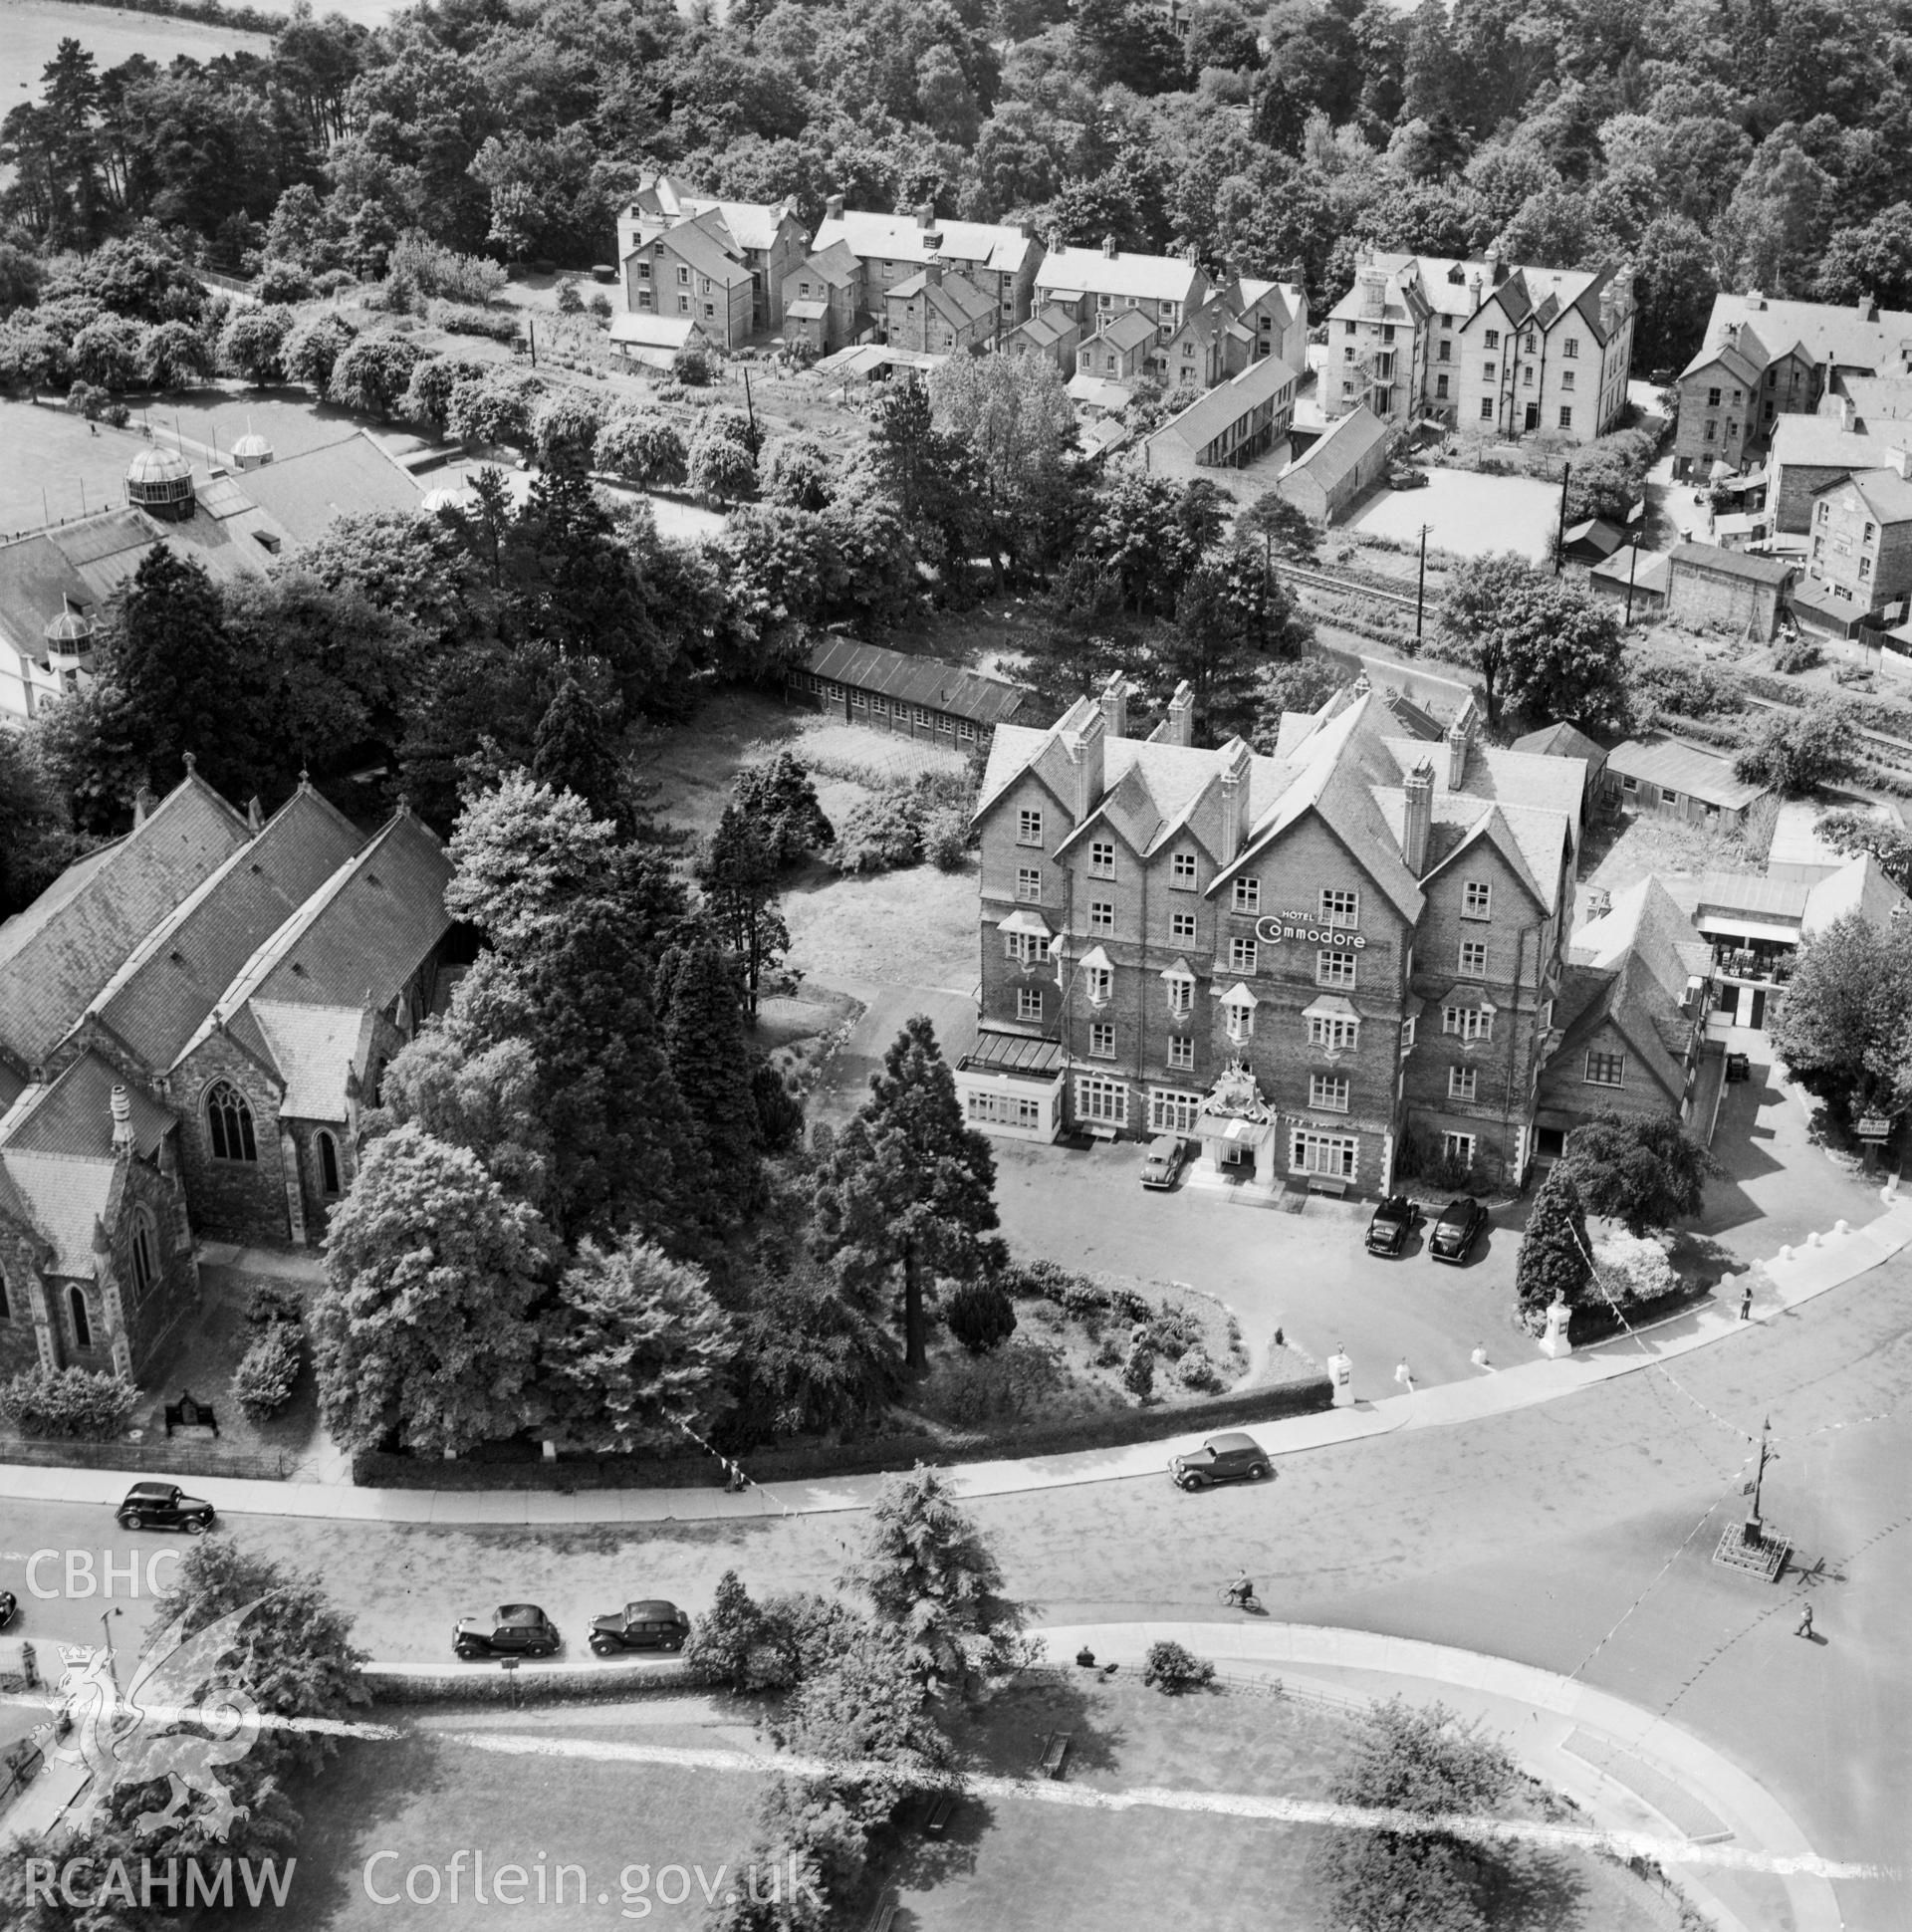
point(1482, 346)
point(191, 1020)
point(767, 239)
point(1321, 964)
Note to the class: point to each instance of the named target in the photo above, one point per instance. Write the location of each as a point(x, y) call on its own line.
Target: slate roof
point(1749, 892)
point(359, 939)
point(902, 238)
point(1729, 563)
point(704, 253)
point(1130, 331)
point(1336, 455)
point(836, 265)
point(313, 1049)
point(1047, 327)
point(654, 332)
point(1677, 767)
point(1209, 416)
point(167, 985)
point(58, 953)
point(305, 492)
point(1884, 492)
point(1860, 886)
point(61, 1198)
point(74, 1115)
point(1828, 331)
point(1818, 442)
point(927, 681)
point(1559, 741)
point(1091, 271)
point(955, 298)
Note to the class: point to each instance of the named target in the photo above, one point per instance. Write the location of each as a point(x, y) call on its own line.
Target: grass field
point(30, 32)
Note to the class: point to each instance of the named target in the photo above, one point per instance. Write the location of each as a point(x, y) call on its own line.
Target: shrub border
point(1115, 1428)
point(531, 1683)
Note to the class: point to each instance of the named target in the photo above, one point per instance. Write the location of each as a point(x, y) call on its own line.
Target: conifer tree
point(1554, 1264)
point(908, 1186)
point(709, 1060)
point(739, 877)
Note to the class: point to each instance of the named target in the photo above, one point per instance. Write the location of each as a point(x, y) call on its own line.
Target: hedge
point(529, 1684)
point(1108, 1429)
point(157, 1458)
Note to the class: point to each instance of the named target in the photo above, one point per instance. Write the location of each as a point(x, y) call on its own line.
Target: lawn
point(1468, 514)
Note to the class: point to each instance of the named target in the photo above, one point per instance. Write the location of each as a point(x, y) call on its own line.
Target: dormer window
point(1238, 1017)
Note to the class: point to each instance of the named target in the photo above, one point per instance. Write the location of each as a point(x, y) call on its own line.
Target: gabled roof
point(169, 982)
point(1491, 827)
point(1856, 335)
point(999, 247)
point(315, 1048)
point(1677, 767)
point(1559, 741)
point(1349, 439)
point(57, 954)
point(654, 332)
point(1860, 886)
point(837, 264)
point(74, 1115)
point(1096, 271)
point(695, 245)
point(954, 297)
point(64, 1197)
point(1632, 967)
point(1130, 331)
point(1712, 559)
point(1818, 442)
point(1886, 493)
point(910, 679)
point(1209, 416)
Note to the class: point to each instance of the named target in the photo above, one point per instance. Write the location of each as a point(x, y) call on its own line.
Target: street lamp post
point(1420, 590)
point(1632, 569)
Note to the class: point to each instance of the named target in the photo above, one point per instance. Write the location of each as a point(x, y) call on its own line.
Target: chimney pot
point(1181, 715)
point(142, 804)
point(1084, 747)
point(833, 207)
point(122, 1104)
point(1460, 742)
point(255, 813)
point(1115, 707)
point(1109, 246)
point(1234, 799)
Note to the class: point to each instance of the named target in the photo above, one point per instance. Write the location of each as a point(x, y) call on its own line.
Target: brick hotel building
point(1298, 960)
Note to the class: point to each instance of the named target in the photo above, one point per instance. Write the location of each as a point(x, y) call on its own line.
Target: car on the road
point(651, 1624)
point(1232, 1458)
point(1458, 1227)
point(1404, 476)
point(1163, 1162)
point(164, 1505)
point(511, 1630)
point(1393, 1221)
point(9, 1605)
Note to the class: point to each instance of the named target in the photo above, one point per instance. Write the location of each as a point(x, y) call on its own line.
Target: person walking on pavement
point(1806, 1622)
point(1746, 1303)
point(1405, 1376)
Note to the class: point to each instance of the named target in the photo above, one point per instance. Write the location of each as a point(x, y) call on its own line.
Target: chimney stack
point(932, 274)
point(1460, 742)
point(1374, 287)
point(1234, 799)
point(1109, 247)
point(925, 215)
point(1606, 310)
point(1474, 286)
point(255, 813)
point(833, 207)
point(1115, 707)
point(121, 1116)
point(1181, 717)
point(1420, 818)
point(1493, 259)
point(1899, 460)
point(1868, 308)
point(142, 804)
point(1084, 747)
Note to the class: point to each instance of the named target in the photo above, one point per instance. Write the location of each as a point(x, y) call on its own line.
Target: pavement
point(1796, 1275)
point(1619, 1763)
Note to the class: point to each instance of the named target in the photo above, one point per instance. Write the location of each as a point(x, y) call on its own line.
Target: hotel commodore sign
point(1274, 927)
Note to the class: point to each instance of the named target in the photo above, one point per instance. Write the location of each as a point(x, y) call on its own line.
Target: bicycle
point(1239, 1594)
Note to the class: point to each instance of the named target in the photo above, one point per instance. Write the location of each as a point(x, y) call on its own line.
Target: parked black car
point(1233, 1458)
point(1458, 1227)
point(163, 1506)
point(9, 1604)
point(511, 1630)
point(1395, 1220)
point(651, 1624)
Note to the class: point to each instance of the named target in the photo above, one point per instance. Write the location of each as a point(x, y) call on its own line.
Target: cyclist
point(1241, 1591)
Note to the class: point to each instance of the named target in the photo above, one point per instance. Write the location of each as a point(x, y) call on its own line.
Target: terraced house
point(1326, 965)
point(192, 1019)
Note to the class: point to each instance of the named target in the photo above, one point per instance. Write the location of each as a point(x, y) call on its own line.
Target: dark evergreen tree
point(1647, 1172)
point(779, 1114)
point(1555, 1264)
point(577, 743)
point(739, 877)
point(703, 1031)
point(908, 1186)
point(782, 797)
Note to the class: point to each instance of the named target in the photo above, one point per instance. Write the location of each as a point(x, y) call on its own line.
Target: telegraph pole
point(1560, 542)
point(1420, 592)
point(1632, 569)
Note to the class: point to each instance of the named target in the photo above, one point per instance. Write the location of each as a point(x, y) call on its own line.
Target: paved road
point(1571, 1536)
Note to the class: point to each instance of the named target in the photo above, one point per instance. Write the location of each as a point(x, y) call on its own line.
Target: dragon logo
point(179, 1721)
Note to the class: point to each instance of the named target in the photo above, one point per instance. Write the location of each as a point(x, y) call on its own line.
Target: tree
point(315, 346)
point(107, 351)
point(1419, 1762)
point(930, 1574)
point(1798, 751)
point(1278, 526)
point(37, 840)
point(720, 465)
point(907, 1185)
point(738, 879)
point(1553, 1263)
point(925, 471)
point(578, 746)
point(1230, 617)
point(1843, 1026)
point(808, 1359)
point(1305, 685)
point(1865, 832)
point(374, 375)
point(252, 342)
point(800, 474)
point(485, 1101)
point(565, 428)
point(1872, 258)
point(635, 1351)
point(421, 1336)
point(493, 409)
point(779, 797)
point(980, 1315)
point(173, 356)
point(1645, 1172)
point(704, 1041)
point(1541, 647)
point(644, 445)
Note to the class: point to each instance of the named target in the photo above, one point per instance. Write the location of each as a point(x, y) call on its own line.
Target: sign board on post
point(1875, 1127)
